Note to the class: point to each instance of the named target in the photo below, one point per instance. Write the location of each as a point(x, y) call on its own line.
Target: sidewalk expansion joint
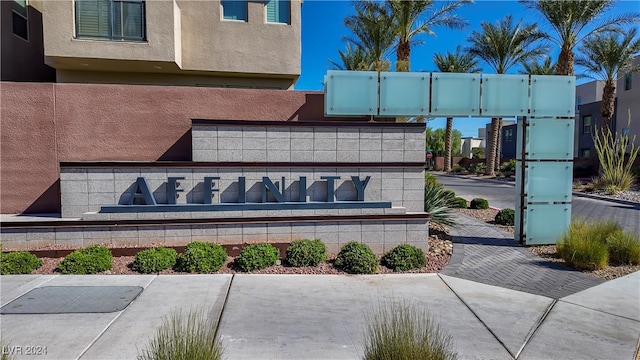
point(536, 326)
point(476, 316)
point(224, 305)
point(114, 320)
point(600, 311)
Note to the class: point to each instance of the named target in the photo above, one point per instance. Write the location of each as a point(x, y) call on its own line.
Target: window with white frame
point(278, 11)
point(20, 18)
point(111, 19)
point(234, 10)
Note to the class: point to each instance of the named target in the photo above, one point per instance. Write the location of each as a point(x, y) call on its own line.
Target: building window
point(627, 81)
point(586, 125)
point(508, 135)
point(278, 11)
point(20, 18)
point(111, 19)
point(234, 10)
point(586, 152)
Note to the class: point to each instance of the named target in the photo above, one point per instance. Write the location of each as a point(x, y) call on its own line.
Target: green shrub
point(404, 257)
point(623, 248)
point(357, 258)
point(449, 193)
point(438, 204)
point(479, 203)
point(431, 180)
point(190, 336)
point(508, 168)
point(505, 217)
point(90, 260)
point(256, 257)
point(478, 168)
point(459, 203)
point(306, 252)
point(154, 260)
point(18, 262)
point(582, 247)
point(201, 257)
point(405, 332)
point(457, 168)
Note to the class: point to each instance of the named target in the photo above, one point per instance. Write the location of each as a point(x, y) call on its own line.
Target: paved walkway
point(486, 254)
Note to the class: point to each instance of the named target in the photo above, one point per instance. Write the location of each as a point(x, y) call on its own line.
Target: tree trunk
point(565, 62)
point(608, 102)
point(499, 146)
point(447, 145)
point(491, 156)
point(402, 56)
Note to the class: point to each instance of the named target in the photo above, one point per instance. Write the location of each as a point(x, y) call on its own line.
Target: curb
point(578, 194)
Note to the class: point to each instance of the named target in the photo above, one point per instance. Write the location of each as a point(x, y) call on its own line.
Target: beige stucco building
point(628, 97)
point(174, 42)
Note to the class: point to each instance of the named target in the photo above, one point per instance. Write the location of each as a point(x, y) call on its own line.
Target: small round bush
point(154, 260)
point(306, 252)
point(91, 260)
point(505, 217)
point(459, 203)
point(479, 203)
point(18, 262)
point(256, 257)
point(623, 248)
point(357, 258)
point(404, 257)
point(201, 257)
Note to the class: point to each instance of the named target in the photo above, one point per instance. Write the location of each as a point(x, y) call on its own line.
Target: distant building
point(628, 100)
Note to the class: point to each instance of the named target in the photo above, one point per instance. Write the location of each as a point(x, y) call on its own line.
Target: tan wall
point(183, 36)
point(44, 124)
point(629, 100)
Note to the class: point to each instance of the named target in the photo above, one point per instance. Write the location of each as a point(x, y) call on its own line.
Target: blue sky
point(322, 32)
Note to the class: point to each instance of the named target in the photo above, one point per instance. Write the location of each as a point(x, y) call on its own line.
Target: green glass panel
point(351, 93)
point(545, 223)
point(548, 181)
point(455, 94)
point(505, 95)
point(20, 6)
point(404, 94)
point(550, 139)
point(553, 95)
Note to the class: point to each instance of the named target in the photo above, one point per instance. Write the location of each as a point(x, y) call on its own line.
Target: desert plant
point(478, 168)
point(505, 217)
point(405, 331)
point(357, 258)
point(583, 245)
point(184, 336)
point(404, 257)
point(623, 248)
point(479, 203)
point(154, 260)
point(18, 262)
point(306, 252)
point(430, 180)
point(508, 168)
point(438, 204)
point(90, 260)
point(459, 203)
point(201, 257)
point(457, 168)
point(450, 193)
point(256, 257)
point(615, 164)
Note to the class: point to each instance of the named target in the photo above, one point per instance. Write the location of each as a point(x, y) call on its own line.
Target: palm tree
point(574, 20)
point(535, 68)
point(416, 17)
point(502, 46)
point(460, 62)
point(372, 32)
point(353, 58)
point(604, 56)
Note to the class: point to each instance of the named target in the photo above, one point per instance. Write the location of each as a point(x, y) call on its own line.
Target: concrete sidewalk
point(322, 316)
